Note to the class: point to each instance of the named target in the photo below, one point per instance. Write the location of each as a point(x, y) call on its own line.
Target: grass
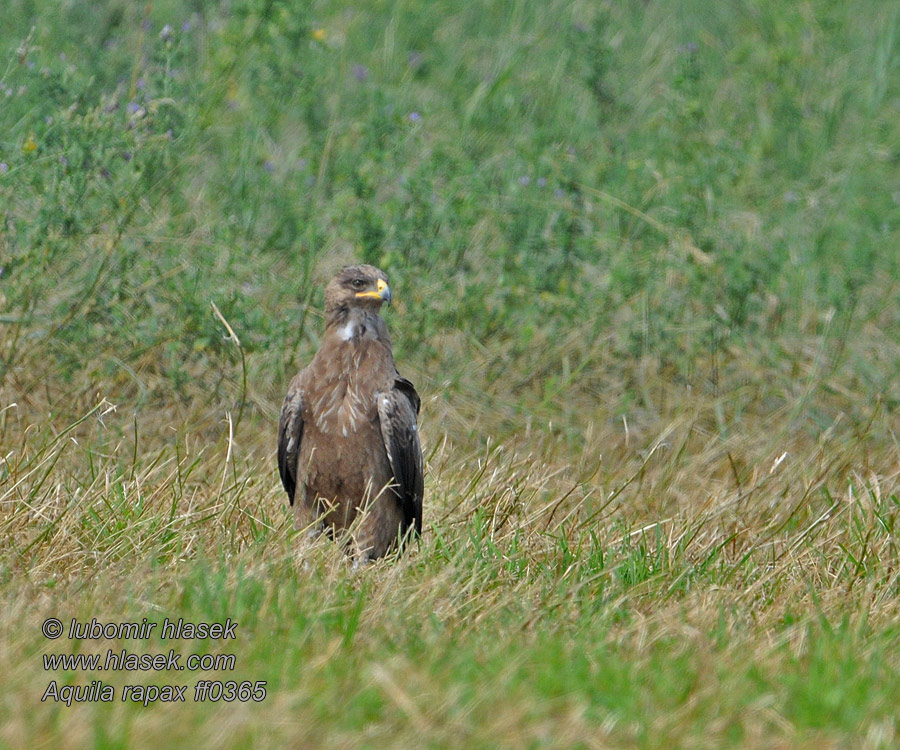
point(646, 284)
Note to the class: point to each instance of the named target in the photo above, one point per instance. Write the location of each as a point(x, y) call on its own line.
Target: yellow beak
point(383, 293)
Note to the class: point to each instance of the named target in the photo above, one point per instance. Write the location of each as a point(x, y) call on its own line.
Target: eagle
point(348, 445)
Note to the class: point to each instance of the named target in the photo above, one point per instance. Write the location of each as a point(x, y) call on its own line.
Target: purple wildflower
point(415, 117)
point(269, 166)
point(360, 73)
point(186, 26)
point(132, 107)
point(542, 182)
point(4, 167)
point(166, 33)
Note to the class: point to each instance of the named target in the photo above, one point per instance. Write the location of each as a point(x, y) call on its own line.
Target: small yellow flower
point(319, 35)
point(30, 144)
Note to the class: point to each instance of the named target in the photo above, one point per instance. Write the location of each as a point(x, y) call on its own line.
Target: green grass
point(644, 258)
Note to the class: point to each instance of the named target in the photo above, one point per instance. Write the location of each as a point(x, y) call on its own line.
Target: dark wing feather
point(290, 433)
point(397, 412)
point(409, 390)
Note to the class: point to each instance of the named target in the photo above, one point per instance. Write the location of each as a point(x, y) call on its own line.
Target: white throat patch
point(347, 331)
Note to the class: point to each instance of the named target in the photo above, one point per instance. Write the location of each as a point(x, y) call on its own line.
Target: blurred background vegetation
point(587, 210)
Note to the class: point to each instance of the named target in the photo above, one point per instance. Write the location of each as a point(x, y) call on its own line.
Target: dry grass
point(640, 583)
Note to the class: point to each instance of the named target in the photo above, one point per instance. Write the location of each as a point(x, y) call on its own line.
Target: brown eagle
point(347, 437)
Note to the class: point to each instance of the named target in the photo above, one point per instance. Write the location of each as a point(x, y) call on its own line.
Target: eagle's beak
point(383, 293)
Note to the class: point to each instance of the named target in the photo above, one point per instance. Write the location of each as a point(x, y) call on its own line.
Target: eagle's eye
point(358, 283)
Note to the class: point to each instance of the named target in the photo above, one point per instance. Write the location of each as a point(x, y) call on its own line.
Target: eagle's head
point(362, 286)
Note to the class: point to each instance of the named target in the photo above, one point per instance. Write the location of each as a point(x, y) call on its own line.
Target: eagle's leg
point(307, 516)
point(378, 528)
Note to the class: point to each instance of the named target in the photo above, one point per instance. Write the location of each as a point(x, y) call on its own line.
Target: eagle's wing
point(290, 433)
point(397, 410)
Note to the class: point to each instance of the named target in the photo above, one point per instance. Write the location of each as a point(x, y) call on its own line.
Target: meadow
point(645, 266)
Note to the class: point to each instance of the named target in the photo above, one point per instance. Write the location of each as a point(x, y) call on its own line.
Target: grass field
point(645, 263)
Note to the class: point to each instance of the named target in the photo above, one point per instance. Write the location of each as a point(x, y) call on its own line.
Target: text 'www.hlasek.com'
point(123, 659)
